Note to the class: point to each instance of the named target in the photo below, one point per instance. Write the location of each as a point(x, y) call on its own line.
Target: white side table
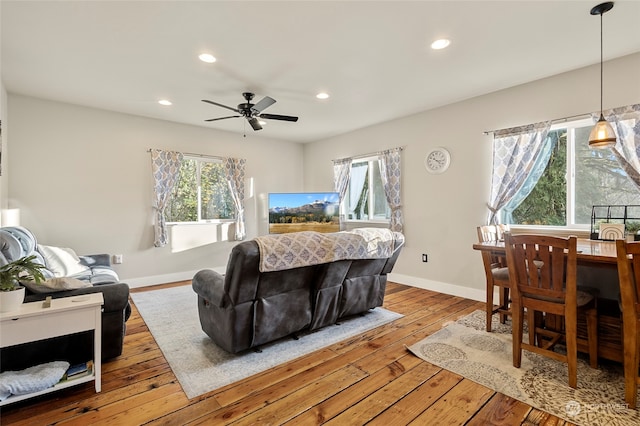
point(66, 315)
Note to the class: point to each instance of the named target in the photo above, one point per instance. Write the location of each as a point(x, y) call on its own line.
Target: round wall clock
point(437, 160)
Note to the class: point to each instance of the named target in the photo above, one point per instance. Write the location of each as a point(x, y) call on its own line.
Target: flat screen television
point(304, 211)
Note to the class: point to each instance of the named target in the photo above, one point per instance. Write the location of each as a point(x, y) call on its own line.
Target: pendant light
point(602, 135)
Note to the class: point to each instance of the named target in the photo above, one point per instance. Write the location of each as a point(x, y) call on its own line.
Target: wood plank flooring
point(370, 379)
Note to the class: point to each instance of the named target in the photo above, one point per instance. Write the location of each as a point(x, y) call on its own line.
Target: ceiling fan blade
point(220, 105)
point(254, 123)
point(278, 117)
point(264, 103)
point(223, 118)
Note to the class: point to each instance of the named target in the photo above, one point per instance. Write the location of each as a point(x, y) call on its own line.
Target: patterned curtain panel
point(165, 166)
point(516, 152)
point(390, 173)
point(626, 121)
point(341, 176)
point(234, 169)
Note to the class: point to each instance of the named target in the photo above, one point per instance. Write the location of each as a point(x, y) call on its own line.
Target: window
point(575, 179)
point(201, 193)
point(365, 199)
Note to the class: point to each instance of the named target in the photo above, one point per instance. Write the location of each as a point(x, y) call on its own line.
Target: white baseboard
point(440, 287)
point(167, 278)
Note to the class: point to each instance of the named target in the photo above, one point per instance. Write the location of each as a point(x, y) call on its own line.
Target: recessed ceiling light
point(322, 95)
point(440, 44)
point(207, 57)
point(262, 122)
point(165, 102)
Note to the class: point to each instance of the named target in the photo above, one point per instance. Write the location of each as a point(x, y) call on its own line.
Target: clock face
point(437, 161)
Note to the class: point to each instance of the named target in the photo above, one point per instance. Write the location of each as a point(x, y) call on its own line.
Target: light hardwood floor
point(370, 379)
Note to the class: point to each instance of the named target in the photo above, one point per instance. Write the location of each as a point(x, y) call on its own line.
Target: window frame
point(199, 159)
point(571, 126)
point(371, 196)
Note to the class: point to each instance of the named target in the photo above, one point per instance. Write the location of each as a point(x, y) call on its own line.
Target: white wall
point(82, 179)
point(442, 211)
point(3, 147)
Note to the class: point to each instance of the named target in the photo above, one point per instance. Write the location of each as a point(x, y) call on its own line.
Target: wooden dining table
point(592, 253)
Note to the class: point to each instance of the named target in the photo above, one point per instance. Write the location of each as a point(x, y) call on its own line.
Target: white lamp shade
point(602, 135)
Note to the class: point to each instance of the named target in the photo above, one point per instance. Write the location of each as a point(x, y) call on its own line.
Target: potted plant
point(11, 292)
point(633, 228)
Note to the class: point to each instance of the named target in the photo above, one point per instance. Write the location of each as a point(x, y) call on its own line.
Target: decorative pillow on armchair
point(61, 261)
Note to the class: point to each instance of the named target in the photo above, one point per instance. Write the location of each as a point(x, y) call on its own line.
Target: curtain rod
point(189, 154)
point(371, 154)
point(554, 121)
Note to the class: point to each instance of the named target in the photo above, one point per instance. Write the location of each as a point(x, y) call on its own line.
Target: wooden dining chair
point(628, 254)
point(496, 272)
point(543, 273)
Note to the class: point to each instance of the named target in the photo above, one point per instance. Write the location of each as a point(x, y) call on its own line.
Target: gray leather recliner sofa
point(17, 242)
point(248, 307)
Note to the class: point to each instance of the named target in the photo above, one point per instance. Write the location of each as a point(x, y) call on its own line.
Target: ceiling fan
point(252, 112)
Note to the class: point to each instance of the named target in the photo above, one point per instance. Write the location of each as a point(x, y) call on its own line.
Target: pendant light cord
point(601, 67)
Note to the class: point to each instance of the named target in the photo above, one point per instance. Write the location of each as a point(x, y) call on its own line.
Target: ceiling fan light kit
point(252, 112)
point(602, 135)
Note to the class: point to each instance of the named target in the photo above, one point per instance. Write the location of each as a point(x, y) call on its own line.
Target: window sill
point(557, 231)
point(360, 221)
point(203, 222)
point(348, 225)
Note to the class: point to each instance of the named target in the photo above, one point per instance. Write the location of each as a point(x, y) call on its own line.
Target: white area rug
point(201, 366)
point(465, 348)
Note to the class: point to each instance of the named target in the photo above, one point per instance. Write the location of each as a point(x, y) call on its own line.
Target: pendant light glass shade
point(602, 135)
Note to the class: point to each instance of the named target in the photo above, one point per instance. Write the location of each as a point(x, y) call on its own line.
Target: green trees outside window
point(201, 193)
point(576, 178)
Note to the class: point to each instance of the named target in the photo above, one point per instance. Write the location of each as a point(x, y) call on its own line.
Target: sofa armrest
point(210, 286)
point(116, 295)
point(92, 260)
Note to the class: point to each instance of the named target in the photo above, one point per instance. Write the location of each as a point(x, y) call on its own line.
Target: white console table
point(66, 315)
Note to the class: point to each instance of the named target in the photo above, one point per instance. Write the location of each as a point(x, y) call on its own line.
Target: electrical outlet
point(424, 258)
point(117, 258)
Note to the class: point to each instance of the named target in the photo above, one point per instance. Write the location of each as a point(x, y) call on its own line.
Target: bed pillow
point(55, 284)
point(61, 261)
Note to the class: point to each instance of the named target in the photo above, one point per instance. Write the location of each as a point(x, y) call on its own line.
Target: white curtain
point(515, 154)
point(390, 173)
point(165, 166)
point(626, 121)
point(358, 177)
point(234, 170)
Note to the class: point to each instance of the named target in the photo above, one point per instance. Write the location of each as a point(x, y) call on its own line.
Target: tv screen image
point(304, 211)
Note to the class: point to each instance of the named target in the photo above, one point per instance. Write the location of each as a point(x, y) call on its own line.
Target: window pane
point(183, 205)
point(599, 179)
point(216, 197)
point(547, 203)
point(365, 199)
point(215, 202)
point(381, 208)
point(356, 198)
